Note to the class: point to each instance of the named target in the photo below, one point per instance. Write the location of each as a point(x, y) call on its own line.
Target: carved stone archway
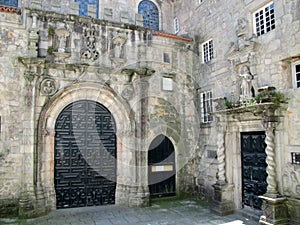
point(46, 132)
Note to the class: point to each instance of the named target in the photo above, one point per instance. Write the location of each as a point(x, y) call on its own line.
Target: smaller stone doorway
point(254, 166)
point(161, 168)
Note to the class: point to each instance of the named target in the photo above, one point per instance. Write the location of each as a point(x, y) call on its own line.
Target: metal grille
point(85, 156)
point(253, 168)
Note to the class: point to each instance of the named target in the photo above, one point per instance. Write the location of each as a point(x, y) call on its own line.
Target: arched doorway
point(85, 155)
point(150, 14)
point(162, 170)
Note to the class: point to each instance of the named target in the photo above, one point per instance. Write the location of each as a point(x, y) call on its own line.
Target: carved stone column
point(222, 203)
point(274, 207)
point(139, 191)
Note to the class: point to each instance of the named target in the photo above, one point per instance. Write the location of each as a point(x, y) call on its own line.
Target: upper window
point(11, 3)
point(150, 14)
point(176, 25)
point(296, 74)
point(264, 19)
point(83, 6)
point(206, 107)
point(207, 51)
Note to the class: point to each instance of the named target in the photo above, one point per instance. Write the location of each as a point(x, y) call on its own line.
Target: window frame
point(207, 52)
point(176, 25)
point(271, 17)
point(296, 82)
point(206, 105)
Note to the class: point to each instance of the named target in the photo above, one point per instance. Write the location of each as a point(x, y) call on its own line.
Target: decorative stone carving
point(89, 50)
point(48, 87)
point(291, 181)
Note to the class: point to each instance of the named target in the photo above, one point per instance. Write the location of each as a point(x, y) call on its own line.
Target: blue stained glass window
point(150, 14)
point(10, 3)
point(83, 6)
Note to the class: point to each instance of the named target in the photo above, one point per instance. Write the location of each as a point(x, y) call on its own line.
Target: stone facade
point(153, 83)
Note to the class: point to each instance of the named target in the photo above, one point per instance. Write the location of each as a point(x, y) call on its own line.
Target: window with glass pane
point(297, 75)
point(207, 51)
point(10, 3)
point(83, 6)
point(150, 14)
point(206, 107)
point(264, 19)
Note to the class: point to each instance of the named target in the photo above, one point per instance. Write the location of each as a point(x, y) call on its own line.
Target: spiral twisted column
point(221, 173)
point(270, 160)
point(221, 157)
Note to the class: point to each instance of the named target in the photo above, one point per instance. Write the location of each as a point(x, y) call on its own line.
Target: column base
point(132, 196)
point(274, 211)
point(222, 203)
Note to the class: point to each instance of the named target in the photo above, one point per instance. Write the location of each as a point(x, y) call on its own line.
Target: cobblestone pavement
point(176, 212)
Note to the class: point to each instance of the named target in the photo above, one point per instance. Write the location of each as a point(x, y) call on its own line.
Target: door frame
point(44, 168)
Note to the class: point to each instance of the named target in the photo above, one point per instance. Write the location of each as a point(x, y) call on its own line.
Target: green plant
point(228, 104)
point(275, 97)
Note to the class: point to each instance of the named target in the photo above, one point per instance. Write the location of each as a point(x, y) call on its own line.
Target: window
point(206, 107)
point(296, 74)
point(295, 158)
point(10, 3)
point(167, 58)
point(264, 19)
point(176, 25)
point(150, 14)
point(83, 6)
point(207, 51)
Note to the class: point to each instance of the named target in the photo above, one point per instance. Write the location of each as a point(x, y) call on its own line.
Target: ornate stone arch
point(46, 132)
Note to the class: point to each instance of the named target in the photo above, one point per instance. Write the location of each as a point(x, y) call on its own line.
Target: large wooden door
point(254, 166)
point(85, 156)
point(162, 171)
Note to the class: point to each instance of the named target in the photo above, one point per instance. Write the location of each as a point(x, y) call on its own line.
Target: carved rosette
point(48, 87)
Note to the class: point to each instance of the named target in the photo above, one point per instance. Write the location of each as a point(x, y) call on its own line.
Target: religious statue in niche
point(62, 35)
point(246, 88)
point(118, 47)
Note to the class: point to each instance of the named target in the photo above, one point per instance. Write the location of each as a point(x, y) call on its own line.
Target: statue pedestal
point(222, 203)
point(274, 211)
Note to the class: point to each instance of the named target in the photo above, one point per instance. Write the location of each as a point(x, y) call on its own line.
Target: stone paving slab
point(171, 212)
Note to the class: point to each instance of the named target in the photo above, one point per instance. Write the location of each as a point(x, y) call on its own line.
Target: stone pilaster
point(222, 203)
point(139, 192)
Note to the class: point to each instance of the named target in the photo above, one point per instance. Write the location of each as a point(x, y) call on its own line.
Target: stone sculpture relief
point(89, 50)
point(291, 180)
point(48, 87)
